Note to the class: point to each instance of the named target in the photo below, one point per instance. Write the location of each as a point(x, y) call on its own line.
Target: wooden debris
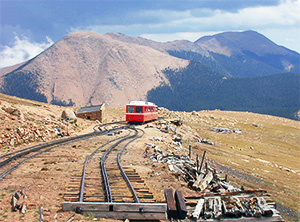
point(70, 218)
point(217, 197)
point(262, 204)
point(198, 209)
point(16, 201)
point(180, 204)
point(41, 219)
point(23, 208)
point(238, 205)
point(205, 181)
point(171, 204)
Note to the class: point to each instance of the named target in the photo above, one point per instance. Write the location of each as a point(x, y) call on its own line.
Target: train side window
point(130, 109)
point(139, 109)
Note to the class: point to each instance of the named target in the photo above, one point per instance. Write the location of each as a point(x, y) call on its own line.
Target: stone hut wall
point(95, 115)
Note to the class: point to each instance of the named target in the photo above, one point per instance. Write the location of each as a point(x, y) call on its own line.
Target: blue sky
point(29, 27)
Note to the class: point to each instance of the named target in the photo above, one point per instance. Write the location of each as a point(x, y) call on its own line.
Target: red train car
point(140, 111)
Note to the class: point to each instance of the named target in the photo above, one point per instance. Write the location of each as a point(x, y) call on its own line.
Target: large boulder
point(14, 111)
point(69, 114)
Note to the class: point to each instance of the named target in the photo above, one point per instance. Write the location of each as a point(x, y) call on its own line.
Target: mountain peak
point(233, 43)
point(88, 68)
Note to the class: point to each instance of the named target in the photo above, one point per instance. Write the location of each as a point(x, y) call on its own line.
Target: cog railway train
point(140, 111)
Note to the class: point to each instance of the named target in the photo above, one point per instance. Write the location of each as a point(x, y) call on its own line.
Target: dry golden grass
point(268, 149)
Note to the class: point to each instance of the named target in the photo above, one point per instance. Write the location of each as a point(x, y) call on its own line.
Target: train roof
point(141, 103)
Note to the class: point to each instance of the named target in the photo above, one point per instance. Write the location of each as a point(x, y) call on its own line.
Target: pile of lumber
point(206, 180)
point(216, 207)
point(217, 197)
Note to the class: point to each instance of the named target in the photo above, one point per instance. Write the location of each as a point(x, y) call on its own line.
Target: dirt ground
point(267, 150)
point(45, 179)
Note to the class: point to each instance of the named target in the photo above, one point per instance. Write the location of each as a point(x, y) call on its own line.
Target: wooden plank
point(171, 204)
point(180, 204)
point(207, 179)
point(141, 207)
point(116, 207)
point(131, 215)
point(276, 218)
point(198, 209)
point(241, 192)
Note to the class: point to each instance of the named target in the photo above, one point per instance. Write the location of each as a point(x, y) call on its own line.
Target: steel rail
point(103, 168)
point(25, 151)
point(135, 196)
point(82, 185)
point(107, 124)
point(55, 144)
point(18, 164)
point(46, 144)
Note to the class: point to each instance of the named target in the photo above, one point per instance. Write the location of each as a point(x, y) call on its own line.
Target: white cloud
point(191, 36)
point(172, 25)
point(21, 50)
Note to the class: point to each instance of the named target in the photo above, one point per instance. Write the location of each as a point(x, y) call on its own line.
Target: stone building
point(92, 112)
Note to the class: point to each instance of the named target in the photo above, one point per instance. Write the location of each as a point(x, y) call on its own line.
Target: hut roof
point(87, 109)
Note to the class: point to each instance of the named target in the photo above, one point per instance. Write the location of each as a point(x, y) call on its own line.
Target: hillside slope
point(89, 68)
point(234, 54)
point(258, 54)
point(264, 155)
point(199, 88)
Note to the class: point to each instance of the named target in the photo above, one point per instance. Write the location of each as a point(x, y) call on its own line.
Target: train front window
point(139, 109)
point(130, 109)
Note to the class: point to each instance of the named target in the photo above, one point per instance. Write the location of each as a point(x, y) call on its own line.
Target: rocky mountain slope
point(198, 87)
point(86, 68)
point(9, 69)
point(89, 68)
point(256, 52)
point(234, 54)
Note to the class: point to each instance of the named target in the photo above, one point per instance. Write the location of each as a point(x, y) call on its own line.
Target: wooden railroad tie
point(180, 204)
point(176, 207)
point(134, 211)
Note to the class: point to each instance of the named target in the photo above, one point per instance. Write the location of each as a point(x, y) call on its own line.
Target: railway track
point(11, 161)
point(103, 179)
point(117, 183)
point(108, 189)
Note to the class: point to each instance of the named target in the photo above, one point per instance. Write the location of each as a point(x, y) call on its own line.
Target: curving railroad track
point(116, 183)
point(13, 160)
point(103, 179)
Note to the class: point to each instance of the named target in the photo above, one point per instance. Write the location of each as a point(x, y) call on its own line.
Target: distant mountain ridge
point(198, 86)
point(87, 68)
point(234, 54)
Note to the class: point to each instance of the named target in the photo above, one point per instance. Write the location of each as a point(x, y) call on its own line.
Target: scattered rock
point(177, 122)
point(202, 140)
point(221, 130)
point(195, 113)
point(237, 131)
point(157, 138)
point(69, 114)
